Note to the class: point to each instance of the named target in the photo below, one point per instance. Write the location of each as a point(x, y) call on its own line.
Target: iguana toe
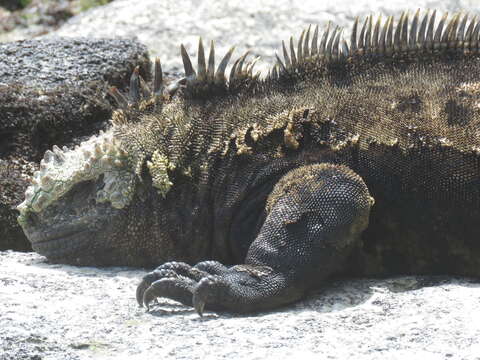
point(144, 285)
point(178, 288)
point(150, 294)
point(198, 304)
point(208, 291)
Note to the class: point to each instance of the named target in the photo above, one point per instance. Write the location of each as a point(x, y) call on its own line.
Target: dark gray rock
point(53, 92)
point(49, 63)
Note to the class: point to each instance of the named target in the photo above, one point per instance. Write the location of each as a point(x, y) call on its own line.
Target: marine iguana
point(274, 178)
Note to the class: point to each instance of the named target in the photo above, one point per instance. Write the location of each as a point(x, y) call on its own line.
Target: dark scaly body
point(408, 124)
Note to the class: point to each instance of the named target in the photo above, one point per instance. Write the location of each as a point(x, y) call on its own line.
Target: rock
point(53, 92)
point(67, 312)
point(13, 182)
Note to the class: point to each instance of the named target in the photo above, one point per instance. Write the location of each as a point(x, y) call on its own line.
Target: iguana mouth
point(39, 236)
point(57, 247)
point(57, 238)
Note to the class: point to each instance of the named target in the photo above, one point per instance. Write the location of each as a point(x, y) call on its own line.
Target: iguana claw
point(198, 304)
point(205, 290)
point(148, 296)
point(140, 292)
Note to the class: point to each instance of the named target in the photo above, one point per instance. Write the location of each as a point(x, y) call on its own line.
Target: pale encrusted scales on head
point(61, 169)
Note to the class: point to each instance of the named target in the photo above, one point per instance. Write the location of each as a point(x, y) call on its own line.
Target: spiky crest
point(202, 82)
point(378, 38)
point(199, 136)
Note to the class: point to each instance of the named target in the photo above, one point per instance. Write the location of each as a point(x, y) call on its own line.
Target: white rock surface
point(259, 26)
point(62, 312)
point(66, 312)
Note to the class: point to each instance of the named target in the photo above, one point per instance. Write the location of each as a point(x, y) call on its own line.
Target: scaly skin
point(272, 180)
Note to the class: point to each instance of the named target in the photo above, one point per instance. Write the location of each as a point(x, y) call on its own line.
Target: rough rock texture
point(52, 92)
point(64, 312)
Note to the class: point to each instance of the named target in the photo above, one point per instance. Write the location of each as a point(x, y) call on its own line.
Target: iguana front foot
point(209, 284)
point(175, 280)
point(314, 216)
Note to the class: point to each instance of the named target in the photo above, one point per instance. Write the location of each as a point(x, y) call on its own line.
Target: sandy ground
point(65, 312)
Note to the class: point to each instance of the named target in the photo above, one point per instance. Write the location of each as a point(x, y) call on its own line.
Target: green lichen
point(88, 4)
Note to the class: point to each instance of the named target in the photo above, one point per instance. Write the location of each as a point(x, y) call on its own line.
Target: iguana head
point(75, 199)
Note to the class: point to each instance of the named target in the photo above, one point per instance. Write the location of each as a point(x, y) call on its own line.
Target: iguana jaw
point(68, 240)
point(75, 228)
